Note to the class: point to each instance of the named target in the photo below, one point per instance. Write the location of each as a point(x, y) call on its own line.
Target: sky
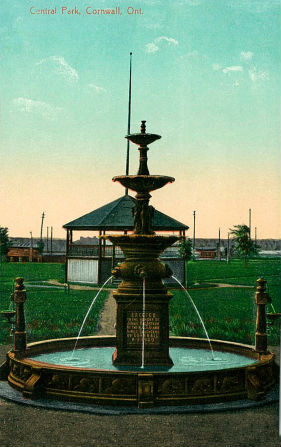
point(206, 77)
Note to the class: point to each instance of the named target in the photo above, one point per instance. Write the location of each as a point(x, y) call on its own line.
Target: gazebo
point(93, 263)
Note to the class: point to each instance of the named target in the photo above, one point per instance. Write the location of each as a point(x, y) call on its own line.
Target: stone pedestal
point(130, 319)
point(142, 268)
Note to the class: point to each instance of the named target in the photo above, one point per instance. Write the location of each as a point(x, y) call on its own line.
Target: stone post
point(261, 299)
point(19, 297)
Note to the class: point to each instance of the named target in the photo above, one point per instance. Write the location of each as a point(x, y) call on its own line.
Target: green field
point(234, 272)
point(228, 313)
point(50, 312)
point(30, 272)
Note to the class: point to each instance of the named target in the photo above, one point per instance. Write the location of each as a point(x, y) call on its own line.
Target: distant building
point(26, 250)
point(23, 254)
point(207, 253)
point(93, 263)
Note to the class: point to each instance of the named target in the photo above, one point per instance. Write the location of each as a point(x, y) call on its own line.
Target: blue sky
point(206, 76)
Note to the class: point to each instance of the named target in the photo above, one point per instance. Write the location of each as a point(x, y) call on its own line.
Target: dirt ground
point(25, 426)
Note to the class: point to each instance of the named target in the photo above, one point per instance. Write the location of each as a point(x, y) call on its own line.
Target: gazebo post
point(113, 256)
point(182, 236)
point(103, 245)
point(66, 256)
point(99, 257)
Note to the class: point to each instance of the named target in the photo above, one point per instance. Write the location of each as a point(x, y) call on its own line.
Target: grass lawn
point(50, 313)
point(228, 313)
point(234, 272)
point(30, 271)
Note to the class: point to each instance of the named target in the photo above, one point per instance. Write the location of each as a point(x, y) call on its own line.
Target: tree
point(244, 246)
point(185, 249)
point(5, 244)
point(40, 246)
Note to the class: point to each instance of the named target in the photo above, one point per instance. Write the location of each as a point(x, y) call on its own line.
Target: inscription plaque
point(135, 328)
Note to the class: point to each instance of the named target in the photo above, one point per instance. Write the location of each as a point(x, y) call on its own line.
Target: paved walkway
point(81, 287)
point(220, 284)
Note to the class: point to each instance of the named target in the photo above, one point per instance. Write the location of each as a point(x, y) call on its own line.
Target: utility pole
point(193, 243)
point(51, 240)
point(47, 239)
point(250, 221)
point(41, 231)
point(129, 121)
point(255, 237)
point(227, 254)
point(31, 248)
point(219, 245)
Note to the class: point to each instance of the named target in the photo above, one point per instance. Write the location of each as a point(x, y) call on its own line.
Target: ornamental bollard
point(261, 300)
point(19, 297)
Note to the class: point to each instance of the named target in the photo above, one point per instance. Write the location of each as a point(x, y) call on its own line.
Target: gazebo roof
point(118, 215)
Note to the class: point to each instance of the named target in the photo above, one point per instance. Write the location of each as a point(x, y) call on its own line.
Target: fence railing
point(83, 250)
point(107, 251)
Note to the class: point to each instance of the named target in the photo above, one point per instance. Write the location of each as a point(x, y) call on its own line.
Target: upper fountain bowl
point(143, 139)
point(143, 183)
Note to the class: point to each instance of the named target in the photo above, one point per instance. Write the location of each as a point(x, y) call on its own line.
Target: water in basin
point(185, 360)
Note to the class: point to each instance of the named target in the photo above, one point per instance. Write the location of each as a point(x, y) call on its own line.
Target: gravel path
point(80, 287)
point(220, 284)
point(108, 316)
point(75, 286)
point(23, 426)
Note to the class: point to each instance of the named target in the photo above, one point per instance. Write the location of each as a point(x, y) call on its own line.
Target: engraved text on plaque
point(135, 328)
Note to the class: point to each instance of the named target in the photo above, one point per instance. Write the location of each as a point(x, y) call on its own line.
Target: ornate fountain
point(142, 366)
point(142, 329)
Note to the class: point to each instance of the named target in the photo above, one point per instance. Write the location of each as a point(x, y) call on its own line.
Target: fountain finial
point(143, 127)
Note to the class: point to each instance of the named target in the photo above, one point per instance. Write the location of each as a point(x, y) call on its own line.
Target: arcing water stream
point(87, 314)
point(198, 314)
point(143, 321)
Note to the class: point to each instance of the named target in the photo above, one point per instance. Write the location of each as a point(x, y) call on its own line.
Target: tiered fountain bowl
point(142, 366)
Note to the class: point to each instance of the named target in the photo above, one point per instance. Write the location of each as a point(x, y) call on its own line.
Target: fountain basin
point(143, 183)
point(152, 386)
point(139, 246)
point(143, 139)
